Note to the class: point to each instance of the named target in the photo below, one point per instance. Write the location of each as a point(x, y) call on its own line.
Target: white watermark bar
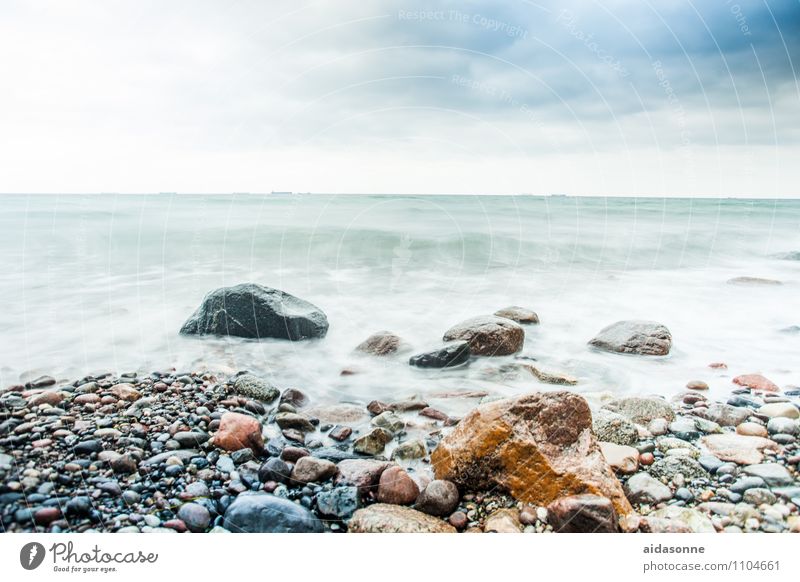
point(400, 556)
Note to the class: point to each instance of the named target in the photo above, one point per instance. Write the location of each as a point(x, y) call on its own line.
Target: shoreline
point(180, 452)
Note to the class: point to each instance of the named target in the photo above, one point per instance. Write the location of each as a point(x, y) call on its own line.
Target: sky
point(612, 98)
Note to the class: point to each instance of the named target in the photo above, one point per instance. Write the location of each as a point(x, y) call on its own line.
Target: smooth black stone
point(274, 469)
point(265, 513)
point(448, 356)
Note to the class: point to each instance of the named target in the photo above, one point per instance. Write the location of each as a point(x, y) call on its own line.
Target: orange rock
point(125, 392)
point(239, 431)
point(756, 382)
point(538, 447)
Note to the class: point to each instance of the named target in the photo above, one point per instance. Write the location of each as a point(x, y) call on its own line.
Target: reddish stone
point(583, 514)
point(176, 524)
point(87, 399)
point(646, 459)
point(340, 433)
point(458, 520)
point(377, 407)
point(239, 431)
point(756, 382)
point(125, 392)
point(51, 398)
point(46, 515)
point(718, 365)
point(396, 487)
point(433, 413)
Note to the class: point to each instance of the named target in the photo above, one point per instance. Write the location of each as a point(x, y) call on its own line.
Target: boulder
point(641, 410)
point(538, 447)
point(634, 337)
point(382, 343)
point(384, 518)
point(255, 387)
point(238, 431)
point(488, 335)
point(583, 514)
point(518, 314)
point(265, 513)
point(254, 311)
point(448, 356)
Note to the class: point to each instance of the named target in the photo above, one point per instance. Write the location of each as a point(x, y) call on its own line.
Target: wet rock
point(583, 514)
point(385, 518)
point(413, 449)
point(254, 311)
point(275, 469)
point(518, 314)
point(294, 397)
point(289, 420)
point(756, 382)
point(641, 410)
point(255, 387)
point(125, 392)
point(340, 433)
point(537, 447)
point(339, 503)
point(503, 521)
point(40, 382)
point(52, 398)
point(548, 376)
point(642, 488)
point(753, 281)
point(447, 356)
point(313, 470)
point(744, 450)
point(382, 343)
point(195, 516)
point(488, 335)
point(670, 467)
point(124, 464)
point(397, 487)
point(614, 428)
point(237, 431)
point(266, 513)
point(390, 421)
point(189, 439)
point(439, 497)
point(373, 442)
point(363, 474)
point(339, 414)
point(634, 337)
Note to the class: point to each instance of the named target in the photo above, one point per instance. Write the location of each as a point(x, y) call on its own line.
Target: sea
point(103, 282)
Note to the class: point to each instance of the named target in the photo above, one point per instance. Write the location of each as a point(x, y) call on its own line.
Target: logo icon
point(31, 555)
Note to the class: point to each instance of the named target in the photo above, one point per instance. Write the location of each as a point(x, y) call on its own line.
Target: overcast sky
point(638, 97)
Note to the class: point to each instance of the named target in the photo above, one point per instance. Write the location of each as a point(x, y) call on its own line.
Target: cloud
point(103, 98)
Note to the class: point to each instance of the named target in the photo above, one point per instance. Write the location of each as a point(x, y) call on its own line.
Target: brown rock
point(634, 337)
point(488, 335)
point(89, 398)
point(697, 385)
point(756, 382)
point(752, 429)
point(458, 520)
point(538, 447)
point(718, 365)
point(382, 343)
point(125, 392)
point(583, 514)
point(503, 521)
point(361, 473)
point(239, 431)
point(46, 515)
point(621, 458)
point(340, 433)
point(52, 398)
point(384, 518)
point(313, 470)
point(397, 487)
point(433, 413)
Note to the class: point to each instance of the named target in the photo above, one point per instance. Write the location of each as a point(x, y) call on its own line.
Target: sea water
point(104, 282)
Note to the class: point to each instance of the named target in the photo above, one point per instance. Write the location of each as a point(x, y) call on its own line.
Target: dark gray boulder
point(265, 513)
point(254, 311)
point(447, 356)
point(634, 337)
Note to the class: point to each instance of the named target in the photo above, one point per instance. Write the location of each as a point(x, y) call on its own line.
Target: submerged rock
point(488, 335)
point(449, 355)
point(538, 447)
point(254, 311)
point(384, 518)
point(265, 513)
point(634, 337)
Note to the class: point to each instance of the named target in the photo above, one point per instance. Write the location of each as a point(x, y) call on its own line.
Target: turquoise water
point(105, 281)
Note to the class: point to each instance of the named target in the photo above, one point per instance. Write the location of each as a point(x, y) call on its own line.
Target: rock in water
point(254, 311)
point(488, 335)
point(641, 410)
point(518, 314)
point(382, 343)
point(265, 513)
point(634, 337)
point(583, 514)
point(449, 355)
point(538, 447)
point(383, 518)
